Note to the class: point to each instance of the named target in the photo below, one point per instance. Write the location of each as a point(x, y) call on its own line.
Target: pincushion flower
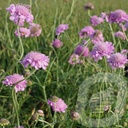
point(57, 104)
point(36, 60)
point(102, 49)
point(75, 59)
point(118, 16)
point(61, 28)
point(23, 32)
point(20, 14)
point(104, 15)
point(95, 20)
point(18, 127)
point(97, 37)
point(57, 43)
point(82, 50)
point(35, 29)
point(17, 80)
point(120, 35)
point(117, 60)
point(86, 32)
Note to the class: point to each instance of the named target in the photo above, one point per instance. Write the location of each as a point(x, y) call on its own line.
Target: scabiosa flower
point(122, 27)
point(97, 37)
point(82, 50)
point(120, 35)
point(20, 14)
point(36, 60)
point(18, 127)
point(75, 59)
point(95, 20)
point(124, 51)
point(102, 49)
point(86, 32)
point(15, 79)
point(35, 29)
point(104, 15)
point(23, 32)
point(57, 43)
point(61, 28)
point(118, 16)
point(117, 60)
point(57, 104)
point(89, 6)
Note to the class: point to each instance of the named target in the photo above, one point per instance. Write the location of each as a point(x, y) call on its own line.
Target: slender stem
point(45, 122)
point(72, 124)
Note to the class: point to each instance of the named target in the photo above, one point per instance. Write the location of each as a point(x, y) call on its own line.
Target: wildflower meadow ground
point(64, 64)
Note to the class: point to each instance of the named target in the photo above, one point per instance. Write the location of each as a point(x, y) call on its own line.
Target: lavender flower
point(35, 29)
point(95, 20)
point(20, 14)
point(36, 60)
point(117, 60)
point(104, 15)
point(57, 104)
point(122, 27)
point(18, 127)
point(102, 49)
point(57, 43)
point(97, 37)
point(61, 28)
point(120, 35)
point(86, 32)
point(82, 50)
point(23, 32)
point(118, 16)
point(15, 80)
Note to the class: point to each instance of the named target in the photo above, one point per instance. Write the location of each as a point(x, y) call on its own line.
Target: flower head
point(120, 35)
point(18, 127)
point(61, 28)
point(20, 14)
point(23, 32)
point(82, 50)
point(86, 32)
point(57, 43)
point(95, 20)
point(35, 29)
point(36, 60)
point(75, 115)
point(104, 15)
point(15, 80)
point(117, 60)
point(118, 16)
point(102, 49)
point(4, 122)
point(57, 104)
point(89, 6)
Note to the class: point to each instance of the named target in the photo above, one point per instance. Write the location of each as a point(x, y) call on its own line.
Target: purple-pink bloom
point(86, 32)
point(57, 43)
point(61, 28)
point(118, 16)
point(95, 20)
point(126, 25)
point(102, 49)
point(104, 15)
point(18, 127)
point(36, 60)
point(120, 35)
point(15, 80)
point(57, 104)
point(75, 59)
point(23, 32)
point(35, 29)
point(122, 27)
point(124, 51)
point(20, 14)
point(97, 37)
point(82, 50)
point(117, 60)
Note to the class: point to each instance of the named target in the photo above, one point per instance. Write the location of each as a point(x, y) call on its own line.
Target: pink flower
point(23, 32)
point(104, 15)
point(118, 16)
point(18, 127)
point(117, 60)
point(57, 43)
point(35, 29)
point(97, 37)
point(86, 32)
point(82, 50)
point(20, 14)
point(36, 60)
point(95, 20)
point(57, 104)
point(120, 35)
point(15, 80)
point(61, 28)
point(75, 59)
point(102, 49)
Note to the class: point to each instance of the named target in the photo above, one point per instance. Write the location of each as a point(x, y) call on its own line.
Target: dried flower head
point(4, 122)
point(75, 115)
point(89, 6)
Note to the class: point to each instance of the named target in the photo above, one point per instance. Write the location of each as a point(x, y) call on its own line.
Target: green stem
point(46, 123)
point(72, 124)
